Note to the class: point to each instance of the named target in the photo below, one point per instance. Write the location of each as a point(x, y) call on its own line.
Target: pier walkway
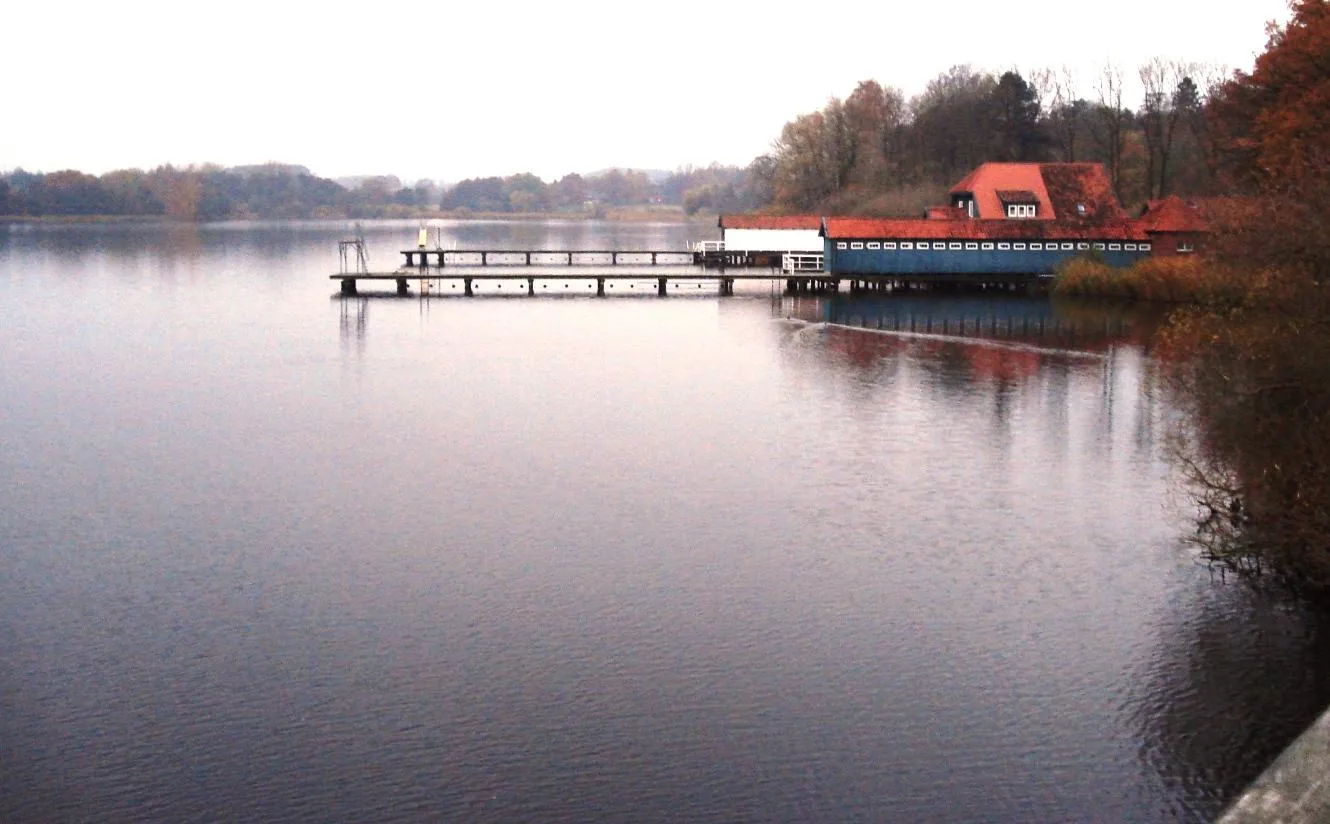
point(707, 262)
point(430, 279)
point(706, 254)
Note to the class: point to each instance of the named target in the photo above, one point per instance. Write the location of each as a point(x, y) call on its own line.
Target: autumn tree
point(568, 193)
point(874, 115)
point(1273, 126)
point(1066, 114)
point(952, 124)
point(804, 174)
point(1170, 96)
point(1019, 135)
point(1111, 122)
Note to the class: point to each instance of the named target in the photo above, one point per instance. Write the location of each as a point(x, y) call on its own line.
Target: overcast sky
point(452, 90)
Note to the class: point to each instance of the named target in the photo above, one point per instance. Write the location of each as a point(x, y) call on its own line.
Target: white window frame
point(937, 244)
point(1115, 247)
point(1082, 245)
point(1019, 247)
point(856, 244)
point(842, 245)
point(873, 244)
point(954, 245)
point(1068, 246)
point(1144, 247)
point(1099, 247)
point(1185, 247)
point(1035, 247)
point(907, 245)
point(1130, 247)
point(889, 244)
point(972, 246)
point(987, 247)
point(1004, 247)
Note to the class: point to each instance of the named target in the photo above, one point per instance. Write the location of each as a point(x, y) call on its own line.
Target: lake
point(271, 554)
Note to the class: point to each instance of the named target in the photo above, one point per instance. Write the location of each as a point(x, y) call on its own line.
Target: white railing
point(801, 263)
point(709, 246)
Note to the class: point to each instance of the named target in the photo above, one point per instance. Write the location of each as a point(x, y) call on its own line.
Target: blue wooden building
point(1004, 220)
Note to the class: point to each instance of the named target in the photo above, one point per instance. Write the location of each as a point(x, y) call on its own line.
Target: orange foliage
point(1273, 126)
point(1165, 279)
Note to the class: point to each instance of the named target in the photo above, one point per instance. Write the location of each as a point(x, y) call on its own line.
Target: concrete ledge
point(1295, 789)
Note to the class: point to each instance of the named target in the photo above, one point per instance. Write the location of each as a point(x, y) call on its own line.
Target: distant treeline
point(282, 191)
point(878, 153)
point(874, 152)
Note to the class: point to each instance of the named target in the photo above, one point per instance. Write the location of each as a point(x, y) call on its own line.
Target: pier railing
point(441, 258)
point(793, 262)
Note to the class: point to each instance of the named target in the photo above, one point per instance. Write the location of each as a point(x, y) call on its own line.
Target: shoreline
point(623, 215)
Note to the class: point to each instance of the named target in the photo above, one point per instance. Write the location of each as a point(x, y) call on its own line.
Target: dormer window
point(1080, 209)
point(1019, 203)
point(965, 202)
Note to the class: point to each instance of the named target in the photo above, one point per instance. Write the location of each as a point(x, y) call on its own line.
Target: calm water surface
point(266, 554)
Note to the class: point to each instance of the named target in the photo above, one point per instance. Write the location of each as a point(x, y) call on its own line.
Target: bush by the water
point(1171, 279)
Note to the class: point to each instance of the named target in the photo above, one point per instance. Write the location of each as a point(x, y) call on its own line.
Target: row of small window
point(1002, 247)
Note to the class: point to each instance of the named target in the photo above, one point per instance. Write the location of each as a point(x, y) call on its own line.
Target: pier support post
point(402, 290)
point(600, 287)
point(528, 258)
point(348, 286)
point(727, 286)
point(660, 286)
point(531, 286)
point(466, 287)
point(653, 258)
point(484, 258)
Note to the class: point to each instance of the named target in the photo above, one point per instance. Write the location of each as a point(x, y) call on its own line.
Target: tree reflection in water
point(1255, 442)
point(1240, 677)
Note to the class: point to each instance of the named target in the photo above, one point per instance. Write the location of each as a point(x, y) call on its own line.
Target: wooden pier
point(704, 255)
point(706, 263)
point(430, 278)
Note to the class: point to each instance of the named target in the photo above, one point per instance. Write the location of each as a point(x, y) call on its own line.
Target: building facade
point(771, 234)
point(1011, 220)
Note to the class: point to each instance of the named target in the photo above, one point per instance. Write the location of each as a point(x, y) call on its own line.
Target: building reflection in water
point(1000, 343)
point(1227, 675)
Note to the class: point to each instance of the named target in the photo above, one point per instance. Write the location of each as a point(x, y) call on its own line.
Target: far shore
point(626, 214)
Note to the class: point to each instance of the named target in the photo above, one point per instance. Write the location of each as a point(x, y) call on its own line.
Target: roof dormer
point(1018, 203)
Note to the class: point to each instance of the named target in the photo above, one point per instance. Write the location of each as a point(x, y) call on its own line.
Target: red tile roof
point(1081, 184)
point(770, 222)
point(842, 228)
point(1057, 188)
point(1172, 215)
point(985, 182)
point(945, 213)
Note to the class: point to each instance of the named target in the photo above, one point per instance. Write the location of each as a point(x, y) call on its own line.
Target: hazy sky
point(447, 91)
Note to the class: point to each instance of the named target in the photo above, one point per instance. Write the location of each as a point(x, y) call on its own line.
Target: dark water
point(269, 555)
